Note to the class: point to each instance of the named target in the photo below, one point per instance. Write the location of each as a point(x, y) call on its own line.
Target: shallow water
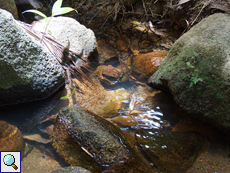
point(29, 119)
point(160, 112)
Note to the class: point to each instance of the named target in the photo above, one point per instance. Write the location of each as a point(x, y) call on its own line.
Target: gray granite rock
point(28, 71)
point(66, 29)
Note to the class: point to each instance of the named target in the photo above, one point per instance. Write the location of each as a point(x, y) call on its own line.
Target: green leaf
point(190, 65)
point(46, 20)
point(196, 80)
point(56, 6)
point(195, 53)
point(136, 23)
point(63, 10)
point(191, 84)
point(66, 97)
point(49, 31)
point(37, 12)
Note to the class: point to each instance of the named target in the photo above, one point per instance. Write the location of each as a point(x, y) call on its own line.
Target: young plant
point(56, 10)
point(195, 76)
point(68, 96)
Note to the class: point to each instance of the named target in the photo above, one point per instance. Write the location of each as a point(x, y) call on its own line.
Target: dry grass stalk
point(71, 61)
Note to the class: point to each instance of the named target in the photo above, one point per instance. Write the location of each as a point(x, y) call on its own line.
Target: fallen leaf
point(37, 138)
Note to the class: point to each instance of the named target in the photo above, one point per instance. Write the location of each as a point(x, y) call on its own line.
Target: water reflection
point(141, 115)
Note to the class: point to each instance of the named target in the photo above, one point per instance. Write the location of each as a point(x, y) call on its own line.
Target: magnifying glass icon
point(9, 160)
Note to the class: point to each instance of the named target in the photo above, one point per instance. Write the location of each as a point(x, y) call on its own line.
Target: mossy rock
point(197, 71)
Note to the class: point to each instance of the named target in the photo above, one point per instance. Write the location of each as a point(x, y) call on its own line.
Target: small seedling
point(136, 23)
point(195, 77)
point(68, 96)
point(190, 65)
point(56, 10)
point(195, 53)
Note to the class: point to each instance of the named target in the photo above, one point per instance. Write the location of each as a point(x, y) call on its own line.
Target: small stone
point(148, 63)
point(10, 138)
point(108, 71)
point(122, 45)
point(105, 52)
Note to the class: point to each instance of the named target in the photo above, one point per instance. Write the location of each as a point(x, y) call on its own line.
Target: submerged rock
point(171, 151)
point(94, 98)
point(105, 52)
point(10, 138)
point(103, 72)
point(148, 63)
point(28, 71)
point(90, 135)
point(197, 72)
point(140, 111)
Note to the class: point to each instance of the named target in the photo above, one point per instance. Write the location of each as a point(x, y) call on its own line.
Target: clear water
point(29, 119)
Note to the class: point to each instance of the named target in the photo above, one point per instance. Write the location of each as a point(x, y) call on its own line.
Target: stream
point(162, 136)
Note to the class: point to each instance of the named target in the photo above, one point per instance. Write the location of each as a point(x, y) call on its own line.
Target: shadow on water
point(26, 115)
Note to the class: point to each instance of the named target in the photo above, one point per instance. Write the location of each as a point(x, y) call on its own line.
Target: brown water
point(29, 119)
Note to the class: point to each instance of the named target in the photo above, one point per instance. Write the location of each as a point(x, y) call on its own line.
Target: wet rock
point(10, 138)
point(10, 6)
point(108, 71)
point(28, 71)
point(76, 155)
point(196, 71)
point(171, 151)
point(71, 169)
point(70, 151)
point(122, 44)
point(147, 64)
point(105, 52)
point(91, 135)
point(45, 161)
point(66, 29)
point(114, 103)
point(188, 124)
point(94, 98)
